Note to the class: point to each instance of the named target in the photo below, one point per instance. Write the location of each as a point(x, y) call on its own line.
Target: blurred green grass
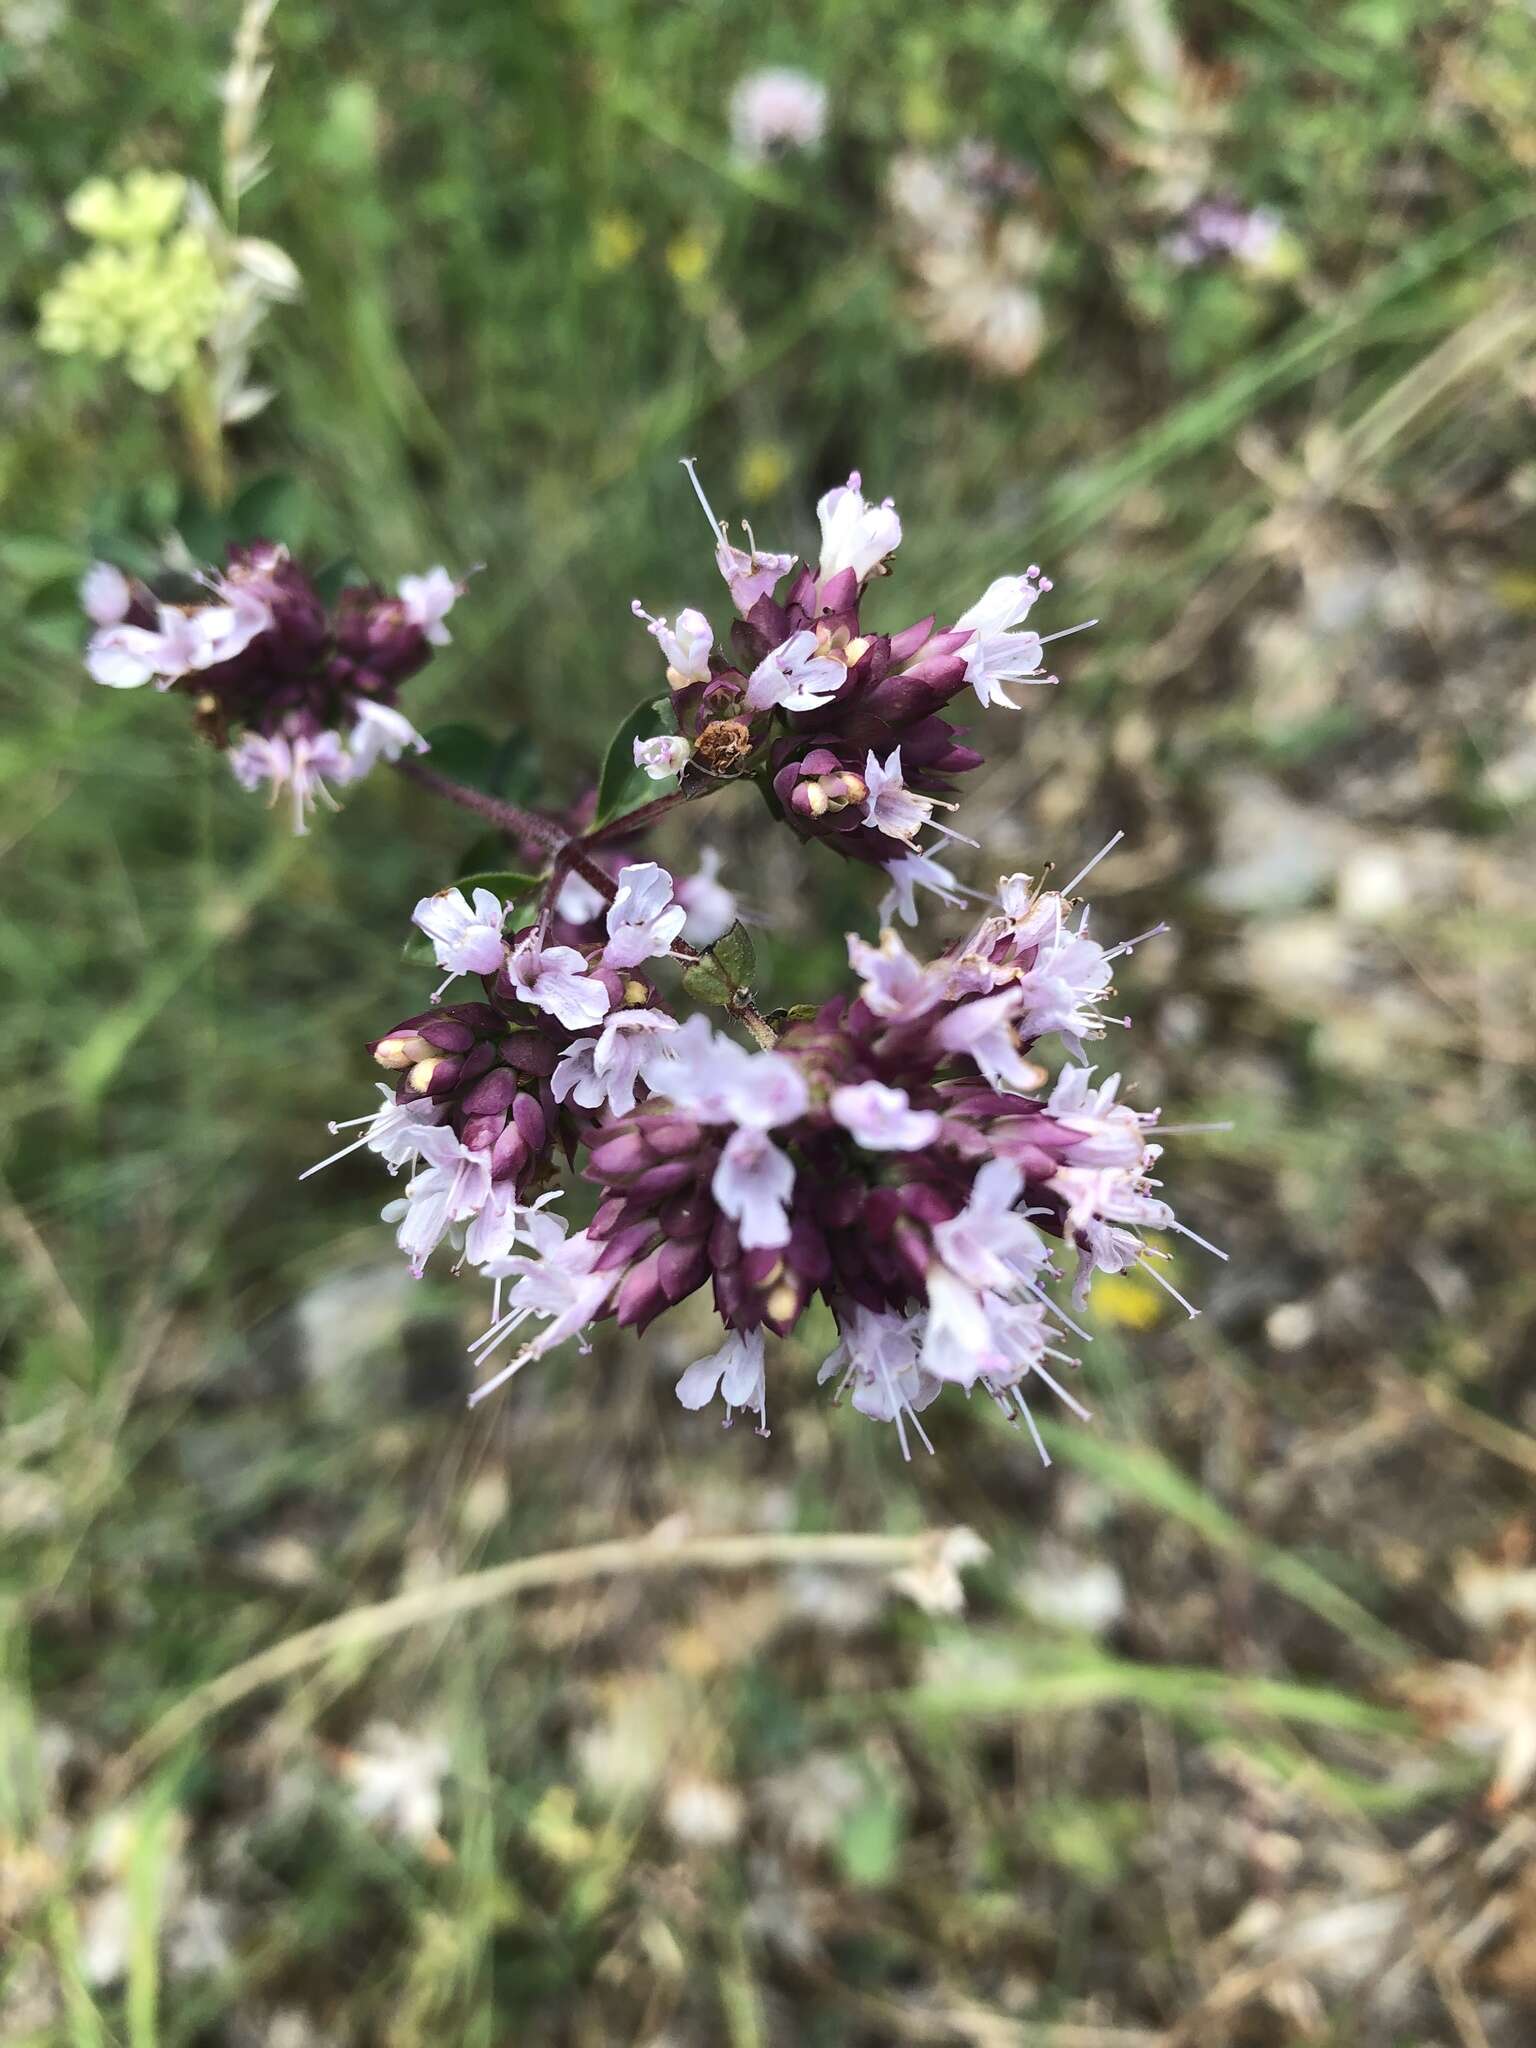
point(534, 277)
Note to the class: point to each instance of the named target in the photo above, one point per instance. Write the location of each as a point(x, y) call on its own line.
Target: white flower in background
point(662, 756)
point(381, 733)
point(303, 765)
point(914, 871)
point(643, 921)
point(427, 601)
point(775, 111)
point(396, 1781)
point(710, 906)
point(855, 534)
point(105, 594)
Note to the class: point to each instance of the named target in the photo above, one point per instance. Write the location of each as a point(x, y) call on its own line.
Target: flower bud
point(402, 1051)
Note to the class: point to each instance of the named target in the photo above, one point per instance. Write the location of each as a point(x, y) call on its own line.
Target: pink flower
point(878, 1356)
point(735, 1372)
point(105, 594)
point(882, 1119)
point(720, 1082)
point(914, 871)
point(664, 755)
point(643, 921)
point(855, 534)
point(427, 601)
point(895, 984)
point(797, 676)
point(182, 642)
point(985, 1029)
point(454, 1184)
point(776, 110)
point(891, 807)
point(554, 978)
point(301, 765)
point(750, 573)
point(752, 1184)
point(602, 1072)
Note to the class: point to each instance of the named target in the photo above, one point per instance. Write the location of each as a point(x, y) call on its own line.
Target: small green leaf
point(734, 954)
point(503, 768)
point(705, 982)
point(205, 531)
point(342, 574)
point(624, 787)
point(272, 508)
point(506, 883)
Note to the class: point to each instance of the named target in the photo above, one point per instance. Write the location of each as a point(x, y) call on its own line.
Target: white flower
point(578, 902)
point(891, 807)
point(105, 594)
point(986, 1030)
point(454, 1185)
point(465, 938)
point(396, 1781)
point(182, 642)
point(878, 1356)
point(1063, 986)
point(882, 1119)
point(557, 1285)
point(643, 921)
point(735, 1372)
point(894, 983)
point(711, 907)
point(603, 1071)
point(380, 734)
point(720, 1082)
point(797, 676)
point(686, 646)
point(662, 756)
point(391, 1131)
point(776, 110)
point(998, 654)
point(301, 765)
point(554, 978)
point(914, 871)
point(752, 1183)
point(855, 534)
point(427, 601)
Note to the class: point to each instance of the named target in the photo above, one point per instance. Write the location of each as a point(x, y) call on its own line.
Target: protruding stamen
point(1066, 632)
point(1082, 873)
point(717, 526)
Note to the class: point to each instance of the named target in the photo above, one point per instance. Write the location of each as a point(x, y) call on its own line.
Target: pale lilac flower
point(776, 110)
point(735, 1372)
point(380, 733)
point(752, 1183)
point(602, 1072)
point(855, 534)
point(878, 1356)
point(999, 654)
point(391, 1130)
point(987, 1030)
point(662, 756)
point(454, 1185)
point(300, 765)
point(894, 982)
point(1061, 992)
point(427, 601)
point(686, 645)
point(182, 642)
point(711, 907)
point(466, 938)
point(720, 1082)
point(914, 871)
point(891, 807)
point(643, 921)
point(750, 572)
point(989, 1244)
point(557, 1285)
point(496, 1226)
point(882, 1119)
point(554, 978)
point(798, 676)
point(578, 902)
point(105, 594)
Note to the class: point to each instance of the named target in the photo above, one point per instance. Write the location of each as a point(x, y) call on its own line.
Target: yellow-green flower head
point(138, 208)
point(150, 303)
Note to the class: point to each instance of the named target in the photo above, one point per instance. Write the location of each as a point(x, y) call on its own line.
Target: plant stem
point(365, 1627)
point(509, 817)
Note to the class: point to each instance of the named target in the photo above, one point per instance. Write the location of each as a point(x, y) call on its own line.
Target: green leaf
point(506, 883)
point(705, 982)
point(342, 574)
point(272, 508)
point(205, 531)
point(507, 768)
point(734, 955)
point(624, 787)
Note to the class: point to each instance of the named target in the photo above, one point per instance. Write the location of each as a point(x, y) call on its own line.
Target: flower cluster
point(842, 726)
point(899, 1152)
point(300, 694)
point(968, 226)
